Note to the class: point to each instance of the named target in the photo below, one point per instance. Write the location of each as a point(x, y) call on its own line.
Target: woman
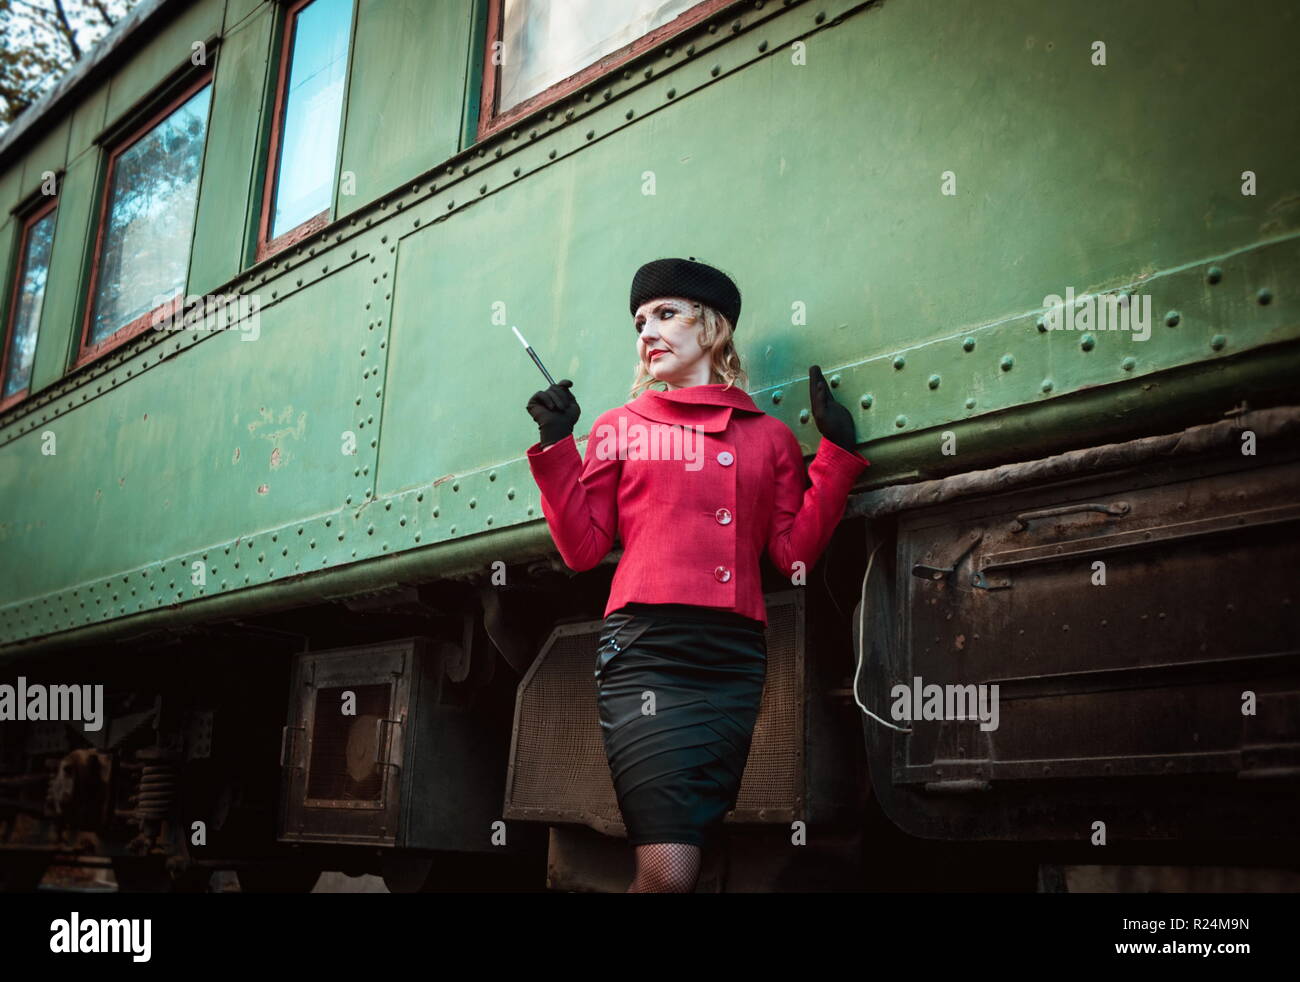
point(682, 657)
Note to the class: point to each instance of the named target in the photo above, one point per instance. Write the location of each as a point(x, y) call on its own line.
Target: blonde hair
point(715, 337)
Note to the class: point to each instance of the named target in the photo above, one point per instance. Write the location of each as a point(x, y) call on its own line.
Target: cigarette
point(533, 355)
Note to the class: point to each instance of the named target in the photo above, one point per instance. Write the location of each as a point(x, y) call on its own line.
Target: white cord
point(862, 645)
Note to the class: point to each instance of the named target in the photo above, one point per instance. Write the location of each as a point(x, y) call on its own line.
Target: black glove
point(556, 412)
point(834, 422)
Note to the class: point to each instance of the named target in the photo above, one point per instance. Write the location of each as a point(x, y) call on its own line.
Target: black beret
point(690, 279)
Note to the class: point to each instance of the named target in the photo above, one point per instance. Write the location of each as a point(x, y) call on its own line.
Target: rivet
point(776, 396)
point(1264, 296)
point(1042, 326)
point(803, 415)
point(899, 362)
point(866, 401)
point(435, 513)
point(672, 93)
point(590, 134)
point(1087, 342)
point(455, 485)
point(900, 421)
point(933, 381)
point(714, 71)
point(1047, 385)
point(1006, 363)
point(762, 46)
point(1172, 318)
point(551, 155)
point(1128, 364)
point(970, 403)
point(1218, 341)
point(819, 18)
point(1213, 274)
point(968, 344)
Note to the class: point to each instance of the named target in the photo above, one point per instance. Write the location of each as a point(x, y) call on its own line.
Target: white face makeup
point(668, 342)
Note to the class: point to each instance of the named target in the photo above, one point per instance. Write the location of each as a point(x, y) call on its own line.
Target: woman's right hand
point(555, 411)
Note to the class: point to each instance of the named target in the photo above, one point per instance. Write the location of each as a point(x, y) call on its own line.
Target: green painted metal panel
point(469, 112)
point(63, 289)
point(167, 52)
point(49, 154)
point(238, 10)
point(10, 181)
point(87, 122)
point(404, 98)
point(198, 451)
point(227, 198)
point(10, 228)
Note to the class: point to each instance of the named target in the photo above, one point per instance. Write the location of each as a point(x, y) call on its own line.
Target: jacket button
point(722, 574)
point(725, 459)
point(723, 516)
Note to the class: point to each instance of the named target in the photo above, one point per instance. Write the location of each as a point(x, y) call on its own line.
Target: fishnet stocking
point(666, 867)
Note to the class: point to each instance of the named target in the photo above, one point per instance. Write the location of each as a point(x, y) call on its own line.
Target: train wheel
point(282, 877)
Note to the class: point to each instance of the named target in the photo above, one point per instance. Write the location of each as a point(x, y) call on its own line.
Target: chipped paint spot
point(285, 427)
point(262, 489)
point(235, 459)
point(443, 479)
point(960, 641)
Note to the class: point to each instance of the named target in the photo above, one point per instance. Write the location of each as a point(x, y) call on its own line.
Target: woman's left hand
point(834, 422)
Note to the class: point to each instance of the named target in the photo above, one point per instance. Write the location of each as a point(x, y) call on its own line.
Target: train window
point(26, 300)
point(540, 50)
point(142, 249)
point(305, 129)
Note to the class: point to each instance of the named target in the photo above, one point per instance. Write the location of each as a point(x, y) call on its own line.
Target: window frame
point(265, 248)
point(30, 218)
point(491, 122)
point(88, 353)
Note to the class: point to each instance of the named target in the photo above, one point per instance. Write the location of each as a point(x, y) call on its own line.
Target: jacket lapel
point(708, 407)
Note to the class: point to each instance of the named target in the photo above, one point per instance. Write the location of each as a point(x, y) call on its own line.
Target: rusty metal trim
point(1281, 423)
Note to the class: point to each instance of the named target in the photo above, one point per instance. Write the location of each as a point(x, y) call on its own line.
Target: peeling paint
point(262, 489)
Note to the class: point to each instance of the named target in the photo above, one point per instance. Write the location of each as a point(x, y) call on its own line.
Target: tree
point(42, 40)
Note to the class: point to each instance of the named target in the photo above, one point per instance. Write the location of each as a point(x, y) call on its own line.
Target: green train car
point(277, 594)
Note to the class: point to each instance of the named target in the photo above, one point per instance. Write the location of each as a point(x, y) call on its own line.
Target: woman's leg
point(666, 867)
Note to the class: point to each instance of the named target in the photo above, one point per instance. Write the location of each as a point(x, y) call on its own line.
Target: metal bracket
point(944, 566)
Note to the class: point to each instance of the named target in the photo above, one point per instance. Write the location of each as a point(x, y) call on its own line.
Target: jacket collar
point(706, 406)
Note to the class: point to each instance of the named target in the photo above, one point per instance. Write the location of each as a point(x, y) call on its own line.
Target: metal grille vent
point(343, 752)
point(558, 771)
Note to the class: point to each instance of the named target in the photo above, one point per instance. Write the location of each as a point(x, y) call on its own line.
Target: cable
point(862, 645)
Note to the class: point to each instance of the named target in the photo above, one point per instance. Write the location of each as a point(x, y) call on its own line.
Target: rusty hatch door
point(1142, 633)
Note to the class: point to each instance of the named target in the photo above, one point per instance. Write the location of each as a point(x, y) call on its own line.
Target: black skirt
point(679, 688)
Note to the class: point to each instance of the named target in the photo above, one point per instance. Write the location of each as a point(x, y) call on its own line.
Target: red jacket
point(696, 482)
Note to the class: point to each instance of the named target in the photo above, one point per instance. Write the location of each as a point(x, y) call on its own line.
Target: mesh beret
point(690, 279)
